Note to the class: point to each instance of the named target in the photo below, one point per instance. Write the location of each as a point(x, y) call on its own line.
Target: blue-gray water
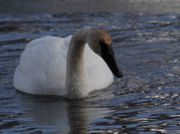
point(145, 101)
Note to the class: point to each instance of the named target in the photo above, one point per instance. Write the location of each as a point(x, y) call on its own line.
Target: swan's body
point(61, 66)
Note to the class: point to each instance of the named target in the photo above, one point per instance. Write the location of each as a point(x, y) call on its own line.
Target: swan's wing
point(42, 66)
point(98, 73)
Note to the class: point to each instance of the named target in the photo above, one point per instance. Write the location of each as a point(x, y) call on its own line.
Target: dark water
point(145, 101)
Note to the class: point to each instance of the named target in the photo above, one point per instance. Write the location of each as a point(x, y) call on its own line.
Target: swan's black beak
point(107, 54)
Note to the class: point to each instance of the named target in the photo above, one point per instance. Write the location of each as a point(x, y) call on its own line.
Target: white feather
point(42, 68)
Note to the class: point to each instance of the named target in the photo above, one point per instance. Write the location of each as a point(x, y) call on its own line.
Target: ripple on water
point(145, 100)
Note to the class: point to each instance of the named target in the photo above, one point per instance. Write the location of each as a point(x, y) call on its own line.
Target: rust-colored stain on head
point(106, 38)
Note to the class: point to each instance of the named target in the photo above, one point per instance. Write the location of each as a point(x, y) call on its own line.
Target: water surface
point(145, 101)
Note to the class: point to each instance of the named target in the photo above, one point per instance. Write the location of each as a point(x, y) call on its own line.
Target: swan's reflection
point(56, 114)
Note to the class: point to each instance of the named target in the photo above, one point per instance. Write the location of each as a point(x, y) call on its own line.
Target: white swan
point(66, 66)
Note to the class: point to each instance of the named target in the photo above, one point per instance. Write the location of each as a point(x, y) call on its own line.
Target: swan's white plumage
point(42, 68)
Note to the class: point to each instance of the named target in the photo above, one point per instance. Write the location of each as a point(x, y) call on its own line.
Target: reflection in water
point(78, 119)
point(61, 115)
point(44, 111)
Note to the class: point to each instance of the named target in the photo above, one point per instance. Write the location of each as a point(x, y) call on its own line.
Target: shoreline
point(89, 6)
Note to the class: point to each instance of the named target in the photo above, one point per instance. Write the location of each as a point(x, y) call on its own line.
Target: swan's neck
point(76, 82)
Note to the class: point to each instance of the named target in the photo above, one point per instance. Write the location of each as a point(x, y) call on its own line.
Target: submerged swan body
point(66, 66)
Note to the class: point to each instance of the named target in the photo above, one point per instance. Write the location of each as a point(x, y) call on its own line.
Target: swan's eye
point(105, 48)
point(102, 44)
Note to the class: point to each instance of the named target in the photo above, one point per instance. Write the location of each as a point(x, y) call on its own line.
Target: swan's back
point(42, 67)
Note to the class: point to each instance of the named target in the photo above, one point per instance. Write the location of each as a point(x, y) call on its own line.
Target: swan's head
point(100, 42)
